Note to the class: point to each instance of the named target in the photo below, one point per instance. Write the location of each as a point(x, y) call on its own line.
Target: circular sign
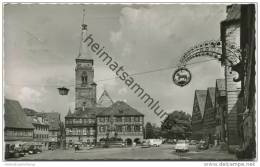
point(181, 76)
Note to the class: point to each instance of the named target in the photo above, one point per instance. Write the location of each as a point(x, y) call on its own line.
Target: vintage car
point(182, 146)
point(203, 145)
point(145, 144)
point(33, 149)
point(14, 151)
point(194, 142)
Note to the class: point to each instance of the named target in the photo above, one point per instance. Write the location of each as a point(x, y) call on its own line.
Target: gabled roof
point(14, 115)
point(53, 120)
point(120, 108)
point(69, 113)
point(211, 92)
point(105, 100)
point(220, 84)
point(30, 112)
point(201, 98)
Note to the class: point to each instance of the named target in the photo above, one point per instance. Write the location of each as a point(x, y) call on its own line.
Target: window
point(74, 131)
point(102, 119)
point(137, 128)
point(85, 121)
point(101, 129)
point(84, 131)
point(127, 119)
point(77, 121)
point(128, 128)
point(84, 77)
point(92, 131)
point(118, 119)
point(91, 121)
point(119, 128)
point(137, 119)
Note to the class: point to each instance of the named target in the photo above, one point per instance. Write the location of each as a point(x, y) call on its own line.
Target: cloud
point(159, 34)
point(122, 91)
point(30, 97)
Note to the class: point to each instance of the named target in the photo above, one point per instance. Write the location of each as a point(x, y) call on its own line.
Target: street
point(164, 152)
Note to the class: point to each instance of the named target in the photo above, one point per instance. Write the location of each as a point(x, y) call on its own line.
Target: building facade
point(248, 47)
point(18, 128)
point(81, 126)
point(54, 122)
point(120, 121)
point(197, 114)
point(230, 36)
point(50, 119)
point(40, 132)
point(209, 118)
point(221, 110)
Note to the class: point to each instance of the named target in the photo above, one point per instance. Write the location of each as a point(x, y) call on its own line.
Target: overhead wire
point(112, 78)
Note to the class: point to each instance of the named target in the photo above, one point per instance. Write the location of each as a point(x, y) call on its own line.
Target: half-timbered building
point(197, 114)
point(209, 121)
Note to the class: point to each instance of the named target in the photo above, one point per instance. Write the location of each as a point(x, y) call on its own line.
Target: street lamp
point(63, 91)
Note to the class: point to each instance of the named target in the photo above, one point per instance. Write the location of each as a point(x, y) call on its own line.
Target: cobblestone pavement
point(164, 152)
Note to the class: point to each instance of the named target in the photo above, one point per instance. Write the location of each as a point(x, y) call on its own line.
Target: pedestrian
point(76, 148)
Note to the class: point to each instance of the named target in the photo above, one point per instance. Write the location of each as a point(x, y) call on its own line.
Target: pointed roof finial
point(105, 100)
point(84, 26)
point(69, 112)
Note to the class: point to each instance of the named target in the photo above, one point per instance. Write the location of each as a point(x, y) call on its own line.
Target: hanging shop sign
point(211, 49)
point(181, 76)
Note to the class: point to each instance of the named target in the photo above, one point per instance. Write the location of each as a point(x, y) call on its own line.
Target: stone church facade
point(85, 125)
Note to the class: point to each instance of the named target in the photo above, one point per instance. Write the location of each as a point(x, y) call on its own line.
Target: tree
point(148, 130)
point(176, 125)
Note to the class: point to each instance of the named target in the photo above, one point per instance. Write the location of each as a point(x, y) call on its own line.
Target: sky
point(41, 43)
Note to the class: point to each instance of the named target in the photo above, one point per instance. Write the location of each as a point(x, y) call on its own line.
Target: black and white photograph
point(129, 82)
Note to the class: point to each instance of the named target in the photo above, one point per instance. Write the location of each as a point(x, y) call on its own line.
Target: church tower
point(84, 71)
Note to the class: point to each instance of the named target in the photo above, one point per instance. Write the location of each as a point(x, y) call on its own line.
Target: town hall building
point(92, 121)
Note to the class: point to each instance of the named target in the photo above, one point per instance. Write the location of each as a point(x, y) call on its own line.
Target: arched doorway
point(137, 141)
point(128, 141)
point(102, 140)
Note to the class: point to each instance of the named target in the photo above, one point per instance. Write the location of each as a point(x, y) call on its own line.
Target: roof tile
point(14, 115)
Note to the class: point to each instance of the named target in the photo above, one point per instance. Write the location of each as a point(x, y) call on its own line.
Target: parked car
point(20, 152)
point(194, 142)
point(145, 144)
point(34, 150)
point(170, 141)
point(203, 145)
point(182, 146)
point(154, 142)
point(13, 151)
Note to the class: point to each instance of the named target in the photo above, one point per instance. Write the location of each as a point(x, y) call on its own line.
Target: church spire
point(83, 48)
point(83, 25)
